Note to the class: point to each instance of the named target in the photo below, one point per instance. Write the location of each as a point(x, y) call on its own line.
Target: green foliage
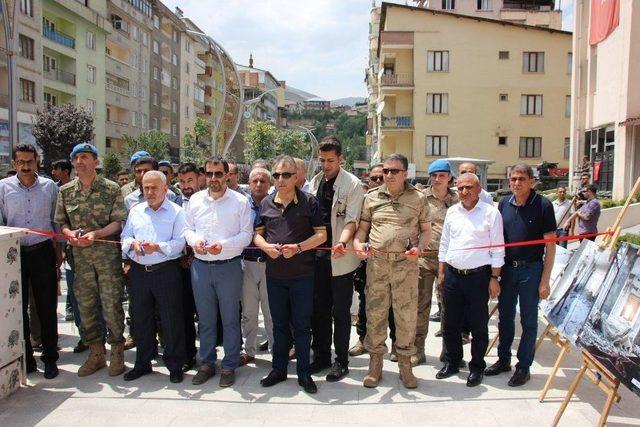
point(111, 165)
point(263, 140)
point(324, 116)
point(196, 145)
point(153, 142)
point(59, 129)
point(351, 130)
point(634, 239)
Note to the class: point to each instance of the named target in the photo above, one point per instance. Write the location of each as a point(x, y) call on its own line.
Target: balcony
point(58, 37)
point(60, 76)
point(117, 89)
point(396, 39)
point(397, 122)
point(200, 63)
point(208, 71)
point(397, 80)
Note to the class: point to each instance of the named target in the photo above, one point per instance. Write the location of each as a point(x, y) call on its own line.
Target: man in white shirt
point(219, 226)
point(470, 276)
point(562, 209)
point(468, 167)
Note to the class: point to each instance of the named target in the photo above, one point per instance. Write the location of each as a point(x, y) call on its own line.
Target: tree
point(351, 131)
point(154, 142)
point(196, 145)
point(263, 140)
point(291, 142)
point(58, 129)
point(111, 165)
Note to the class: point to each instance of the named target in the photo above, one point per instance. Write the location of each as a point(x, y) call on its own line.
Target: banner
point(605, 16)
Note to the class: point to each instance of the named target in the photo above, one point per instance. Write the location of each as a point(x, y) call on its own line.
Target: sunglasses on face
point(284, 175)
point(376, 178)
point(217, 174)
point(386, 171)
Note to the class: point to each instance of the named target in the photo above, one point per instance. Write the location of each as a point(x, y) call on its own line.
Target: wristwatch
point(344, 245)
point(493, 276)
point(299, 248)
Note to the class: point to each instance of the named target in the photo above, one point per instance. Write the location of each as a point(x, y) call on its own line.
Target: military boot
point(358, 349)
point(116, 361)
point(394, 355)
point(419, 358)
point(406, 375)
point(95, 360)
point(375, 370)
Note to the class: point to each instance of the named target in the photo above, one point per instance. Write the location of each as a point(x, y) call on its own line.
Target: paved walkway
point(102, 400)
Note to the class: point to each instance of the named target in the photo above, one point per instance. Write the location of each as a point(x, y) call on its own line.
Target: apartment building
point(452, 85)
point(73, 62)
point(605, 125)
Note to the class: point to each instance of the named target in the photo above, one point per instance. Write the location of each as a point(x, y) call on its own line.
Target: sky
point(318, 46)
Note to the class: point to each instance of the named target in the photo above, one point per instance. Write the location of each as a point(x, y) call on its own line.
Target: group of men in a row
point(191, 250)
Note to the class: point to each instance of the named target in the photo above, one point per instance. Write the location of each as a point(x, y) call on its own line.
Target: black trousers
point(38, 266)
point(332, 297)
point(161, 288)
point(361, 325)
point(189, 312)
point(467, 296)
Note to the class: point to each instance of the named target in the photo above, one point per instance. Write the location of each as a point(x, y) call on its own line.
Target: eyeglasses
point(376, 178)
point(217, 174)
point(166, 173)
point(386, 171)
point(284, 175)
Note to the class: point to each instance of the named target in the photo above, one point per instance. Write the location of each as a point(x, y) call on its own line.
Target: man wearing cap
point(439, 198)
point(128, 188)
point(143, 165)
point(90, 208)
point(166, 168)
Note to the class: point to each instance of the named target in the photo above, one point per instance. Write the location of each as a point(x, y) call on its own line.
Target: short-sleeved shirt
point(527, 222)
point(293, 224)
point(325, 199)
point(254, 253)
point(438, 210)
point(592, 209)
point(395, 221)
point(101, 205)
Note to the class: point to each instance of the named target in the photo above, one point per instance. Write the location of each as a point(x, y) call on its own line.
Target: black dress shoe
point(308, 385)
point(272, 379)
point(519, 377)
point(189, 364)
point(136, 373)
point(447, 370)
point(318, 366)
point(435, 317)
point(80, 347)
point(497, 368)
point(264, 346)
point(337, 372)
point(50, 370)
point(176, 376)
point(474, 378)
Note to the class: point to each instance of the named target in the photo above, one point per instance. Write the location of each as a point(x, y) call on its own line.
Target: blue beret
point(164, 163)
point(138, 155)
point(83, 147)
point(440, 165)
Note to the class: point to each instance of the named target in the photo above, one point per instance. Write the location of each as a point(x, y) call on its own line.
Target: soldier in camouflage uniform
point(397, 220)
point(91, 207)
point(439, 198)
point(135, 183)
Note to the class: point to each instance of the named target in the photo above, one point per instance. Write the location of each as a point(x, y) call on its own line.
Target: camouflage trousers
point(426, 283)
point(391, 283)
point(98, 281)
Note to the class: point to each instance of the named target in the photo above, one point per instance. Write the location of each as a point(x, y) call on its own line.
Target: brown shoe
point(245, 358)
point(406, 374)
point(204, 373)
point(227, 378)
point(393, 356)
point(116, 361)
point(95, 361)
point(418, 359)
point(358, 349)
point(375, 371)
point(129, 343)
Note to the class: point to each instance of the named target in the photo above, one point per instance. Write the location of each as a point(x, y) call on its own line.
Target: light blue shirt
point(164, 226)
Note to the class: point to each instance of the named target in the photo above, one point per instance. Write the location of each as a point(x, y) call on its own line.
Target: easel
point(611, 239)
point(494, 340)
point(602, 378)
point(565, 347)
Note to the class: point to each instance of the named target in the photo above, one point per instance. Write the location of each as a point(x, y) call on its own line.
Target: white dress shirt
point(559, 208)
point(164, 226)
point(480, 226)
point(486, 197)
point(227, 220)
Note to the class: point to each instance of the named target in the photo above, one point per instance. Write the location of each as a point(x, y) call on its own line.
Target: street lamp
point(253, 103)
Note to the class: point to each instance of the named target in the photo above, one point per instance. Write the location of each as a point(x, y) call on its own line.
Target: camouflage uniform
point(392, 279)
point(128, 188)
point(429, 264)
point(98, 278)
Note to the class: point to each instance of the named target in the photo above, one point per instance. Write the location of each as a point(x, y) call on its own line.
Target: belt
point(518, 263)
point(154, 267)
point(219, 261)
point(469, 271)
point(254, 258)
point(27, 249)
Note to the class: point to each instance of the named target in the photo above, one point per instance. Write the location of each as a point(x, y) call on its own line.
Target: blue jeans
point(291, 304)
point(519, 284)
point(218, 285)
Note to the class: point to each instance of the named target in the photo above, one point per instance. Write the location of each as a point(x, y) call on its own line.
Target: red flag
point(596, 171)
point(605, 16)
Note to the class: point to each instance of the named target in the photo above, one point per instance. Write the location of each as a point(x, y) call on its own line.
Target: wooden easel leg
point(572, 389)
point(543, 335)
point(492, 343)
point(547, 386)
point(611, 397)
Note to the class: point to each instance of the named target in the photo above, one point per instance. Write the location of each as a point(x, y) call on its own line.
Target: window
point(91, 106)
point(91, 40)
point(187, 90)
point(134, 61)
point(448, 4)
point(26, 47)
point(438, 60)
point(174, 59)
point(156, 21)
point(530, 146)
point(154, 98)
point(134, 118)
point(186, 111)
point(154, 123)
point(156, 73)
point(187, 45)
point(567, 148)
point(437, 103)
point(26, 7)
point(134, 90)
point(156, 47)
point(143, 121)
point(533, 62)
point(135, 32)
point(503, 54)
point(50, 100)
point(174, 82)
point(145, 38)
point(143, 93)
point(437, 145)
point(174, 106)
point(504, 97)
point(531, 105)
point(174, 36)
point(186, 67)
point(49, 63)
point(484, 5)
point(567, 106)
point(91, 74)
point(174, 129)
point(28, 90)
point(145, 65)
point(569, 62)
point(502, 140)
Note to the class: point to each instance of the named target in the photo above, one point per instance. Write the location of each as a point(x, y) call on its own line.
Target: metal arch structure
point(313, 155)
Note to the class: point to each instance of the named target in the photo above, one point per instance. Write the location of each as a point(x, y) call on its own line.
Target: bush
point(634, 239)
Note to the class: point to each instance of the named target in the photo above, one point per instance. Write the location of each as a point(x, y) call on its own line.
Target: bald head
point(301, 172)
point(467, 167)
